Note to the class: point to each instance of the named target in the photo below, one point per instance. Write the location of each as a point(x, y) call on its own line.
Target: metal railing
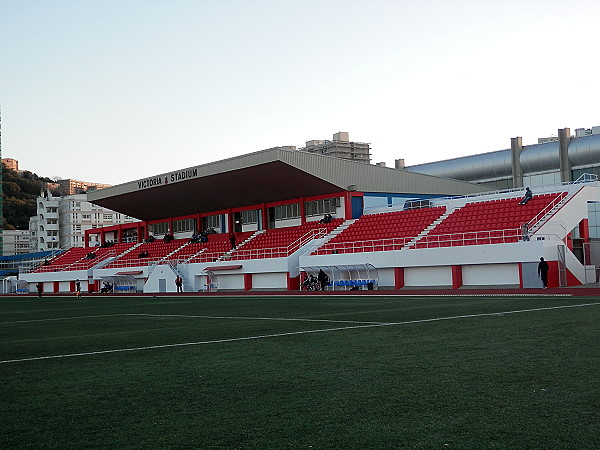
point(502, 236)
point(275, 252)
point(80, 264)
point(368, 245)
point(485, 237)
point(539, 216)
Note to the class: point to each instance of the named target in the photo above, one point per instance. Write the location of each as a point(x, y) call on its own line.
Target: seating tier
point(76, 257)
point(382, 232)
point(217, 246)
point(490, 222)
point(281, 242)
point(156, 250)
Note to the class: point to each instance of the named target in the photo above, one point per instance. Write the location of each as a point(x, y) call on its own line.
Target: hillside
point(19, 194)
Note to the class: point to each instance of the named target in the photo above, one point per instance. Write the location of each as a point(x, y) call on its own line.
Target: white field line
point(282, 319)
point(186, 316)
point(295, 333)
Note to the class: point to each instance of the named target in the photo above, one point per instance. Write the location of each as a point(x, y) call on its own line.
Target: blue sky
point(113, 91)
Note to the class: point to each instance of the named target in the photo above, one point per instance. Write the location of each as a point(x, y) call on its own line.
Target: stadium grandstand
point(272, 220)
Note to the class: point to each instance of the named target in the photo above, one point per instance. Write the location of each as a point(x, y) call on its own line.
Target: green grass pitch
point(300, 372)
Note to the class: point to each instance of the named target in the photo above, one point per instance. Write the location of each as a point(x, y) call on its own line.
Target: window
point(319, 207)
point(576, 173)
point(159, 228)
point(211, 222)
point(541, 179)
point(287, 211)
point(594, 220)
point(250, 216)
point(107, 216)
point(183, 226)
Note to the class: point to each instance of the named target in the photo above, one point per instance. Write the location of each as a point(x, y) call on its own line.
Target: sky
point(112, 91)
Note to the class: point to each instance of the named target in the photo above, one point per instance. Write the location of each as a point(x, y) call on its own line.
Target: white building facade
point(43, 227)
point(15, 242)
point(61, 222)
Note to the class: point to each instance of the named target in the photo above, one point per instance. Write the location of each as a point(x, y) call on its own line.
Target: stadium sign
point(180, 175)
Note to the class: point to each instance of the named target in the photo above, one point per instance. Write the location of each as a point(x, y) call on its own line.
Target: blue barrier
point(353, 282)
point(124, 288)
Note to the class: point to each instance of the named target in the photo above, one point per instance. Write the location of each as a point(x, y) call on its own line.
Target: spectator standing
point(525, 231)
point(179, 284)
point(232, 240)
point(323, 279)
point(543, 269)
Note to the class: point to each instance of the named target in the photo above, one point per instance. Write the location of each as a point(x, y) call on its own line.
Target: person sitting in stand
point(143, 254)
point(528, 196)
point(150, 239)
point(168, 238)
point(203, 237)
point(327, 218)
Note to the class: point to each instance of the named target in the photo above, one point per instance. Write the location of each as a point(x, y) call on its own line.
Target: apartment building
point(61, 222)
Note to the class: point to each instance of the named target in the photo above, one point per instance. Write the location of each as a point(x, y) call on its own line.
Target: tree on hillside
point(19, 194)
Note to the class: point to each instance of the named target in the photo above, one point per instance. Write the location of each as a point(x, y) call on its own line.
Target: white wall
point(387, 278)
point(163, 272)
point(428, 276)
point(230, 282)
point(269, 281)
point(65, 286)
point(490, 275)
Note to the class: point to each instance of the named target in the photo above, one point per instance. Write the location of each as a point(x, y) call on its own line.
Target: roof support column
point(348, 205)
point(264, 213)
point(139, 230)
point(302, 216)
point(564, 137)
point(516, 146)
point(229, 222)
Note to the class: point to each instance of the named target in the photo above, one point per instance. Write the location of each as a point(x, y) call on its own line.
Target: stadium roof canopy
point(266, 176)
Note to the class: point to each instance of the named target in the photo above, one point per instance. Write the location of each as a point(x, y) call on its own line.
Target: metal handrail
point(481, 237)
point(539, 216)
point(368, 245)
point(276, 252)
